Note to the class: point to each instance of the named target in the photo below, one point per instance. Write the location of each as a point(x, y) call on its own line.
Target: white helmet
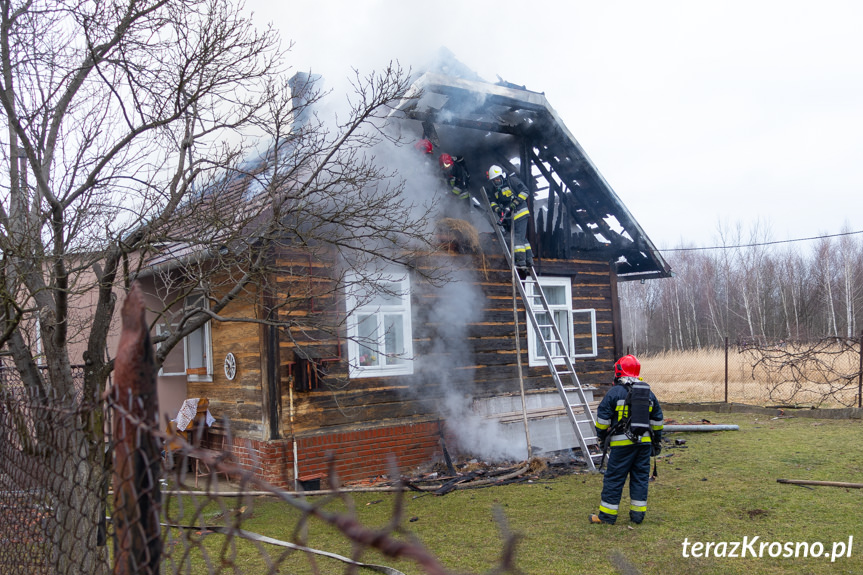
point(495, 171)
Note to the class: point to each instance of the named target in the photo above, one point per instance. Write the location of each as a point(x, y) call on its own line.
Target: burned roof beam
point(582, 222)
point(464, 123)
point(597, 218)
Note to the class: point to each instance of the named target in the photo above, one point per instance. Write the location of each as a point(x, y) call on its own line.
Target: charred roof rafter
point(505, 123)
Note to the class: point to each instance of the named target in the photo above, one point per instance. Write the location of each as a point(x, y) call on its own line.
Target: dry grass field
point(772, 377)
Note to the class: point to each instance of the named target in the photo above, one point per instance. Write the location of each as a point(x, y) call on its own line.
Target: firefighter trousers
point(522, 252)
point(624, 461)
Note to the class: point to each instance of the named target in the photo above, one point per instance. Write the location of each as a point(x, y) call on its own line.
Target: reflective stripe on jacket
point(612, 410)
point(513, 195)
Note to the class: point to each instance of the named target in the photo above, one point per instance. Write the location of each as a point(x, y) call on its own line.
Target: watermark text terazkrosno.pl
point(756, 548)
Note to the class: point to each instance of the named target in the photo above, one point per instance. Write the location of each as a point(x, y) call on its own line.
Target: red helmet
point(424, 146)
point(445, 161)
point(627, 366)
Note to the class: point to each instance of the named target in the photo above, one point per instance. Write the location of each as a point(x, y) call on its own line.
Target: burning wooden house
point(284, 400)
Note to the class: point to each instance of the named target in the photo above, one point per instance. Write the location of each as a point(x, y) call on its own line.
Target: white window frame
point(356, 308)
point(207, 345)
point(594, 348)
point(535, 359)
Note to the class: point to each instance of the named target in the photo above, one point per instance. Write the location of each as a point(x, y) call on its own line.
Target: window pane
point(388, 293)
point(394, 339)
point(196, 352)
point(561, 317)
point(174, 360)
point(555, 295)
point(382, 293)
point(367, 337)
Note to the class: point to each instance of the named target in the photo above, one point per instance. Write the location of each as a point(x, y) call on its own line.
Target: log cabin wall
point(324, 411)
point(239, 400)
point(484, 364)
point(493, 340)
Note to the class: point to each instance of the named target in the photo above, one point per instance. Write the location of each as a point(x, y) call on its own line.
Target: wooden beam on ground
point(825, 483)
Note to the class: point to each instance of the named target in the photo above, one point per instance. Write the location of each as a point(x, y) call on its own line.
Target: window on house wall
point(558, 294)
point(175, 363)
point(198, 346)
point(379, 327)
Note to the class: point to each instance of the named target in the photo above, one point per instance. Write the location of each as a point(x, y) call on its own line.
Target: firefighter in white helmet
point(508, 199)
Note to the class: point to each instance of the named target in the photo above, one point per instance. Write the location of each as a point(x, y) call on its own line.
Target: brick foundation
point(359, 454)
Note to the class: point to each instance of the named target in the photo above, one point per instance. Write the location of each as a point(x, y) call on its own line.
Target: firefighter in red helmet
point(424, 146)
point(629, 425)
point(455, 176)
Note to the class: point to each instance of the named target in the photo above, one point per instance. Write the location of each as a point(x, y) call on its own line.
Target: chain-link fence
point(141, 501)
point(91, 485)
point(823, 373)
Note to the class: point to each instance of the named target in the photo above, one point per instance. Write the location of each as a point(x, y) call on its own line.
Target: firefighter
point(426, 151)
point(424, 146)
point(629, 423)
point(455, 176)
point(508, 199)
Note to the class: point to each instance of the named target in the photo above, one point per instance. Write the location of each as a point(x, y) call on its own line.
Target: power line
point(762, 243)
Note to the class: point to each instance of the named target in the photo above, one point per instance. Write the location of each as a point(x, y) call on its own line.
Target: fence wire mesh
point(91, 485)
point(165, 505)
point(822, 373)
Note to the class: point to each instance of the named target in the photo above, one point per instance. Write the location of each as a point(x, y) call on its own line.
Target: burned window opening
point(308, 374)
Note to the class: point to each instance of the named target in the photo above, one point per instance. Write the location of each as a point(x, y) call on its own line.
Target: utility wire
point(762, 243)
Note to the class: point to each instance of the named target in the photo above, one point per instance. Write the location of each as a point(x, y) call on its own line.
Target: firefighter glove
point(657, 447)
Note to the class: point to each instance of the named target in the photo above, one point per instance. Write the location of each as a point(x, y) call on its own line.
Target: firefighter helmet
point(495, 175)
point(424, 146)
point(627, 366)
point(445, 161)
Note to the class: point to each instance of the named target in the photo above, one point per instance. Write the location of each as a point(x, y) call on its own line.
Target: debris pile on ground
point(474, 473)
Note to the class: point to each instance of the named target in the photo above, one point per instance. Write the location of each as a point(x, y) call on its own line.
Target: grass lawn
point(720, 487)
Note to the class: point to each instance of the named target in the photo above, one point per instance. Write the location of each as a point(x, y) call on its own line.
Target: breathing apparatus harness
point(636, 420)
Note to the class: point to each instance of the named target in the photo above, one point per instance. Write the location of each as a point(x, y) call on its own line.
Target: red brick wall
point(359, 454)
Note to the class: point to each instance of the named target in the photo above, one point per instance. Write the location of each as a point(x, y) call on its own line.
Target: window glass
point(199, 365)
point(379, 327)
point(557, 291)
point(394, 339)
point(367, 338)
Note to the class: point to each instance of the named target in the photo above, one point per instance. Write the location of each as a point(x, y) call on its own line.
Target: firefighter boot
point(595, 520)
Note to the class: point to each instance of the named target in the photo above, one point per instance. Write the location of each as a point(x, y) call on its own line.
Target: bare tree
point(150, 132)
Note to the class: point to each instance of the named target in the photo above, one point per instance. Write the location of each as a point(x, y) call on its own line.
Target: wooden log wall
point(477, 359)
point(239, 400)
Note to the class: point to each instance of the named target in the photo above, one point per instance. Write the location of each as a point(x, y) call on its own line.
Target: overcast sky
point(697, 113)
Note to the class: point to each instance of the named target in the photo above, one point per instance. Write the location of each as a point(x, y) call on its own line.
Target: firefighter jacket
point(457, 179)
point(513, 195)
point(613, 411)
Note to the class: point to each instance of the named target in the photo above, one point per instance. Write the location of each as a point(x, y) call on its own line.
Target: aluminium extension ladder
point(531, 294)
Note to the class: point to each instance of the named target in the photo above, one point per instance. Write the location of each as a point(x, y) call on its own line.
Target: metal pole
point(518, 339)
point(860, 375)
point(726, 370)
